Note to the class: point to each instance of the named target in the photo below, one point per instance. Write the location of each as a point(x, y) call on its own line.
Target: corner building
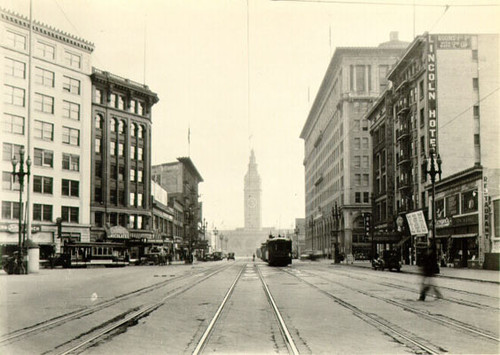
point(444, 96)
point(49, 118)
point(337, 148)
point(121, 161)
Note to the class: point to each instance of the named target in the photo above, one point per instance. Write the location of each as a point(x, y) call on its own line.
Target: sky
point(241, 75)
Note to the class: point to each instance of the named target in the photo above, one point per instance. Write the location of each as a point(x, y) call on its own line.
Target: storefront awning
point(444, 236)
point(470, 235)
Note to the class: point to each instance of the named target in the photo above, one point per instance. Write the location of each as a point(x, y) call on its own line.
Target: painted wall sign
point(431, 93)
point(456, 41)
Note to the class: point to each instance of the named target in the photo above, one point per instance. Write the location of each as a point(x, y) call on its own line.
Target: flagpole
point(189, 141)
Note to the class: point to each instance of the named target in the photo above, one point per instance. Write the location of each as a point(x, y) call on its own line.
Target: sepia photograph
point(250, 177)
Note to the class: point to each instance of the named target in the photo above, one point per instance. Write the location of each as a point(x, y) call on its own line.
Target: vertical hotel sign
point(431, 93)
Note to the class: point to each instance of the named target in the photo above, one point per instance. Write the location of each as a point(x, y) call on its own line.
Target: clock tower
point(252, 196)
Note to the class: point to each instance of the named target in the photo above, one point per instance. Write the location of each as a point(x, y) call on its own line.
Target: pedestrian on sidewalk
point(429, 270)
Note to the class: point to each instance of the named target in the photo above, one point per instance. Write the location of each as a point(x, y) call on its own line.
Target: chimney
point(393, 36)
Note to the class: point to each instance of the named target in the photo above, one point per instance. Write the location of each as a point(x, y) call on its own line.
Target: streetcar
point(278, 251)
point(81, 254)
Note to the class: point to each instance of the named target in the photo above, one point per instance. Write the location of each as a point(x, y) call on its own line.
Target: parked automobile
point(230, 256)
point(217, 255)
point(390, 259)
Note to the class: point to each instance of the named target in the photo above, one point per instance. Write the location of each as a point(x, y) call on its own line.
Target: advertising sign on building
point(431, 93)
point(118, 232)
point(453, 41)
point(416, 222)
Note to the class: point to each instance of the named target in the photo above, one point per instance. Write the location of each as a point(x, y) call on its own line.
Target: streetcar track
point(206, 335)
point(409, 289)
point(49, 324)
point(131, 319)
point(290, 344)
point(471, 293)
point(402, 336)
point(441, 319)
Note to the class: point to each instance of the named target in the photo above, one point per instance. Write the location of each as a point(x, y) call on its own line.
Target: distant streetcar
point(277, 251)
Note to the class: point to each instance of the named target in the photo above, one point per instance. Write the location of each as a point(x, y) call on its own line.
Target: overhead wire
point(384, 3)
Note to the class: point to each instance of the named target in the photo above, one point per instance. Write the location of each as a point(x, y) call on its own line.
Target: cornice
point(41, 28)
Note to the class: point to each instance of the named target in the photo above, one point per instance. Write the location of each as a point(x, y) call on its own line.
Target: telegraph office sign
point(431, 93)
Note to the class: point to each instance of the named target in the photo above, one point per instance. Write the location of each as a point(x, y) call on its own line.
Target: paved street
point(224, 307)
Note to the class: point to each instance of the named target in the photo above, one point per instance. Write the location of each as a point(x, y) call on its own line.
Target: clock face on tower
point(252, 203)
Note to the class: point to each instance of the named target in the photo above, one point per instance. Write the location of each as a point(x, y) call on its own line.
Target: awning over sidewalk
point(470, 235)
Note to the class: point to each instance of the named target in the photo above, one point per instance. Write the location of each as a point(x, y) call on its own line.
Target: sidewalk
point(480, 275)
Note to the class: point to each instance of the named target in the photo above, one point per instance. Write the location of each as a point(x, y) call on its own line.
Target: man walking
point(429, 269)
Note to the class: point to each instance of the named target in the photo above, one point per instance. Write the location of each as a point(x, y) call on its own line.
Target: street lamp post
point(336, 217)
point(311, 225)
point(19, 268)
point(297, 230)
point(221, 237)
point(433, 168)
point(215, 234)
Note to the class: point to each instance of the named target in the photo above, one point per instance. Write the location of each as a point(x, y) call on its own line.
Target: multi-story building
point(45, 110)
point(120, 146)
point(162, 216)
point(444, 99)
point(383, 221)
point(337, 148)
point(181, 180)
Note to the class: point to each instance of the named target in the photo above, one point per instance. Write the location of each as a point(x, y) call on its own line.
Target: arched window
point(114, 125)
point(98, 121)
point(122, 127)
point(141, 132)
point(133, 129)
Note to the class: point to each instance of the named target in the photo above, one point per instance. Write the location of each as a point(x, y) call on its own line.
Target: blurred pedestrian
point(429, 269)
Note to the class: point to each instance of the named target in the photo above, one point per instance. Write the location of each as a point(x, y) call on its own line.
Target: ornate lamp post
point(221, 237)
point(19, 268)
point(311, 225)
point(336, 218)
point(433, 168)
point(215, 234)
point(297, 231)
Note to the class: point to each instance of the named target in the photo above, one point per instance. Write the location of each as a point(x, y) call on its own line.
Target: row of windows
point(42, 103)
point(360, 78)
point(43, 49)
point(119, 197)
point(120, 126)
point(120, 102)
point(42, 184)
point(41, 212)
point(125, 220)
point(136, 153)
point(364, 195)
point(42, 157)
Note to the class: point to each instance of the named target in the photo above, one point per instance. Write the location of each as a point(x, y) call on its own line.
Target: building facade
point(46, 109)
point(444, 100)
point(121, 161)
point(181, 180)
point(337, 154)
point(252, 197)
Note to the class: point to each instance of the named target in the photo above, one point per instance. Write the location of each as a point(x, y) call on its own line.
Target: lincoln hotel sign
point(431, 93)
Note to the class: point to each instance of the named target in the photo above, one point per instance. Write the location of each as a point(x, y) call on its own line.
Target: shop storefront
point(459, 226)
